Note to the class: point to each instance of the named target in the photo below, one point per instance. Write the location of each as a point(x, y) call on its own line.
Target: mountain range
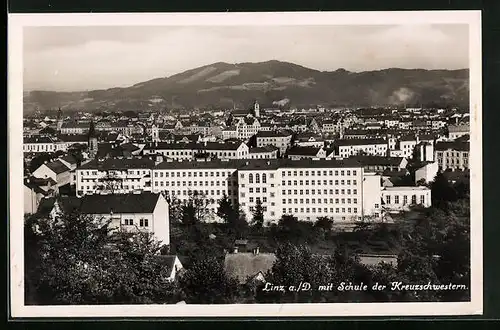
point(273, 84)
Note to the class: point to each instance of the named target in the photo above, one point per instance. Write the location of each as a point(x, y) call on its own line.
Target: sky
point(80, 58)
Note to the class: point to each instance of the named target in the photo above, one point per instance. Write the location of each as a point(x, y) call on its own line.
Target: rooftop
point(358, 142)
point(455, 145)
point(244, 266)
point(116, 163)
point(119, 203)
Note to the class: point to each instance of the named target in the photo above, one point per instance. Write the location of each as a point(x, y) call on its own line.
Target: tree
point(206, 282)
point(325, 223)
point(442, 191)
point(258, 215)
point(82, 260)
point(226, 211)
point(295, 264)
point(175, 208)
point(194, 209)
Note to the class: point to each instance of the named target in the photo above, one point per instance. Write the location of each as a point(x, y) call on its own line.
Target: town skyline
point(80, 58)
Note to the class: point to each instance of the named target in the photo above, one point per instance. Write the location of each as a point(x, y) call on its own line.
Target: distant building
point(279, 139)
point(456, 131)
point(452, 155)
point(92, 138)
point(267, 152)
point(56, 170)
point(297, 152)
point(345, 148)
point(114, 176)
point(401, 198)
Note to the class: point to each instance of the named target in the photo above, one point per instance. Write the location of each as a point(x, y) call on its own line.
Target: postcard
point(245, 164)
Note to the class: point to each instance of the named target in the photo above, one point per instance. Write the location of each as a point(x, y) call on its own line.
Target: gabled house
point(146, 212)
point(249, 267)
point(172, 264)
point(297, 152)
point(56, 170)
point(35, 190)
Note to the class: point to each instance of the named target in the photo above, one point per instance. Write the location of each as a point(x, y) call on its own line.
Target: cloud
point(81, 58)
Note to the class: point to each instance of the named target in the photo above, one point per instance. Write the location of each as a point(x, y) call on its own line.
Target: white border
point(15, 95)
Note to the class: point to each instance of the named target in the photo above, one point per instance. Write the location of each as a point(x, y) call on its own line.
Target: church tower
point(256, 109)
point(92, 139)
point(59, 120)
point(155, 133)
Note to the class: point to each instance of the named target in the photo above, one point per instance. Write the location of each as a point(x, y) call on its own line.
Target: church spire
point(91, 129)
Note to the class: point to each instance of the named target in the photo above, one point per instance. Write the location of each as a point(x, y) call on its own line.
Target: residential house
point(279, 139)
point(266, 152)
point(345, 148)
point(297, 152)
point(397, 199)
point(452, 155)
point(57, 170)
point(456, 131)
point(114, 175)
point(35, 190)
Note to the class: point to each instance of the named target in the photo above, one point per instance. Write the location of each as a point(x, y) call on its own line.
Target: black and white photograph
point(245, 164)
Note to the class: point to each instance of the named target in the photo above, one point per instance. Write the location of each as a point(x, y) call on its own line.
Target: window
point(354, 173)
point(396, 199)
point(264, 190)
point(264, 178)
point(405, 200)
point(336, 182)
point(264, 199)
point(341, 172)
point(388, 199)
point(354, 182)
point(376, 206)
point(284, 211)
point(250, 199)
point(250, 178)
point(283, 182)
point(422, 199)
point(355, 191)
point(336, 172)
point(414, 199)
point(257, 178)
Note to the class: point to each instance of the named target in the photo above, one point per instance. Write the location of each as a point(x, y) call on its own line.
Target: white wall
point(427, 172)
point(44, 172)
point(372, 195)
point(161, 221)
